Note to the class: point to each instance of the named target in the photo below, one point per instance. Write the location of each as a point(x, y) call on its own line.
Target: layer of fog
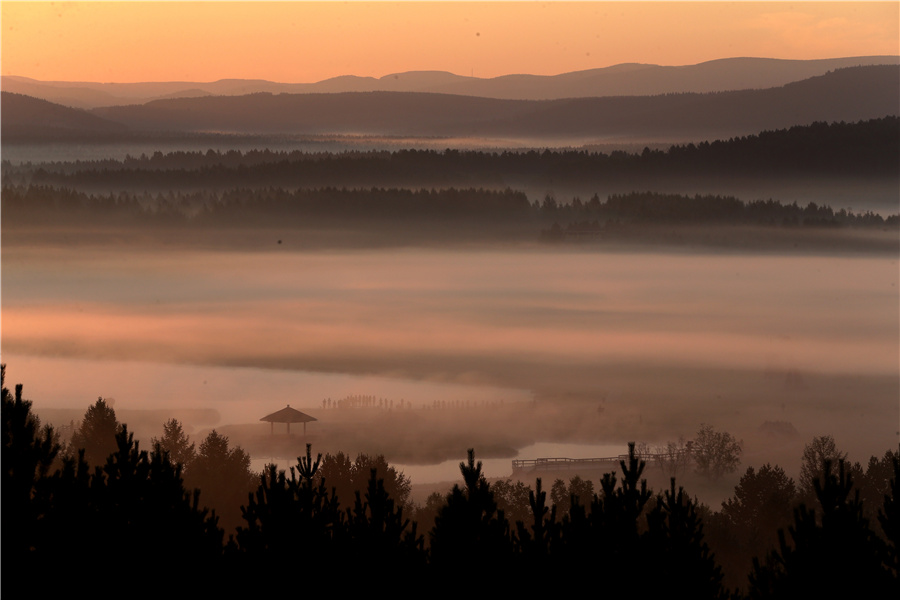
point(283, 309)
point(227, 395)
point(610, 346)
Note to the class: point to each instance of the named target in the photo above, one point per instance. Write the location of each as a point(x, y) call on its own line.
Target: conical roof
point(288, 415)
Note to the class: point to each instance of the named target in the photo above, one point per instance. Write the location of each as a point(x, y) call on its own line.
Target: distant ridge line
point(626, 79)
point(848, 94)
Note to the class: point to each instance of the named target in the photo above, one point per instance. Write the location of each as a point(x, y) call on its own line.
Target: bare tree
point(822, 448)
point(672, 457)
point(715, 453)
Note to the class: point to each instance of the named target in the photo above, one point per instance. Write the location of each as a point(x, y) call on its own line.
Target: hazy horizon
point(385, 75)
point(159, 42)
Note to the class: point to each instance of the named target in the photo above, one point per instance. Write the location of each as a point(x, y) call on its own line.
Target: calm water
point(490, 467)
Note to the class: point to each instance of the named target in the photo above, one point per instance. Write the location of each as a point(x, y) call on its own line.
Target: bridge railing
point(565, 463)
point(561, 464)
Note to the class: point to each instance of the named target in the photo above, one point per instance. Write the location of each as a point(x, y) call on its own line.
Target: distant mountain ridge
point(850, 94)
point(845, 95)
point(34, 119)
point(630, 79)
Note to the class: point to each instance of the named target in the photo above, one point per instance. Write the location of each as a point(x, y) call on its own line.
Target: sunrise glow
point(312, 41)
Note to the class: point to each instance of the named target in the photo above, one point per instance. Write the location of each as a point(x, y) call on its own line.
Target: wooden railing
point(562, 464)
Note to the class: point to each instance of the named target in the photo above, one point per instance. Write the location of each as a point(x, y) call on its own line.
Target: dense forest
point(98, 506)
point(277, 207)
point(862, 149)
point(462, 196)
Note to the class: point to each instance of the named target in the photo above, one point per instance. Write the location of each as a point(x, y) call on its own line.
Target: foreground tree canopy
point(133, 516)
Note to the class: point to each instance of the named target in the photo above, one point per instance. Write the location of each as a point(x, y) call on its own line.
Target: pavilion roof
point(288, 415)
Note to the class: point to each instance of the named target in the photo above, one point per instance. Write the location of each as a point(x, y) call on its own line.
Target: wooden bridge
point(565, 464)
point(675, 459)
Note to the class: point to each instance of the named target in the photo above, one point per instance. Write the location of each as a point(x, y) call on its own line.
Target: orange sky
point(311, 41)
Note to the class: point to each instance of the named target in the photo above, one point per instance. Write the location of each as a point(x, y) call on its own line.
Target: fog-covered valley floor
point(493, 349)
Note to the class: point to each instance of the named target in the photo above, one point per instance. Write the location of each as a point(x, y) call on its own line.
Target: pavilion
point(288, 415)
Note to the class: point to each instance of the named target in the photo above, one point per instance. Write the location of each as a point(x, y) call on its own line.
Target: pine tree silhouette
point(834, 553)
point(470, 529)
point(534, 542)
point(676, 547)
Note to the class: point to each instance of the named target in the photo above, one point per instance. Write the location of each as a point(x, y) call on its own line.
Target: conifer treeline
point(130, 526)
point(863, 149)
point(278, 207)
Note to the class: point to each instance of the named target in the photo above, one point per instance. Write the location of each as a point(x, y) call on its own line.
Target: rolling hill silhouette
point(619, 80)
point(845, 95)
point(27, 118)
point(850, 94)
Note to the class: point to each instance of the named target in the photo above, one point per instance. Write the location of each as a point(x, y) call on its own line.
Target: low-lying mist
point(520, 345)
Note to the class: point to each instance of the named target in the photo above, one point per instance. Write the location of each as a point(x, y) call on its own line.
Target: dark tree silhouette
point(748, 524)
point(290, 519)
point(889, 519)
point(628, 533)
point(470, 529)
point(293, 521)
point(382, 536)
point(223, 476)
point(833, 553)
point(676, 547)
point(176, 443)
point(347, 478)
point(762, 504)
point(425, 515)
point(96, 434)
point(875, 483)
point(29, 451)
point(615, 513)
point(132, 515)
point(146, 509)
point(561, 494)
point(534, 541)
point(513, 499)
point(608, 535)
